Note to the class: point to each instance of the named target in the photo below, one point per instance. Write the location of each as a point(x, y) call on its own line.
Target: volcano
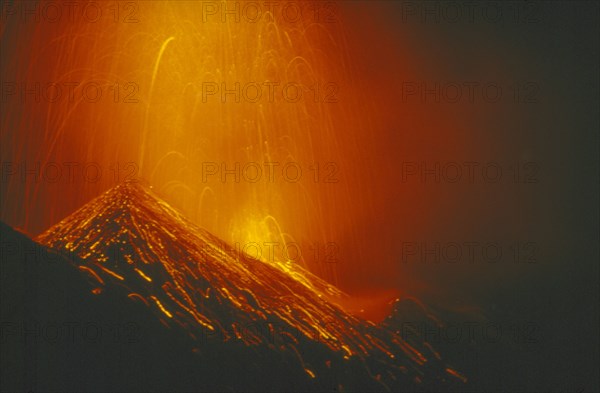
point(243, 323)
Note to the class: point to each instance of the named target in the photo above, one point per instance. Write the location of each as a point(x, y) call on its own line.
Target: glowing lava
point(130, 238)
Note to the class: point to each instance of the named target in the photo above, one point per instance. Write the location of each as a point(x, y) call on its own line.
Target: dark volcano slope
point(58, 336)
point(132, 296)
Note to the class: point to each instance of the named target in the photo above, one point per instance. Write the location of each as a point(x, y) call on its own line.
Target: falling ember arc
point(174, 100)
point(182, 106)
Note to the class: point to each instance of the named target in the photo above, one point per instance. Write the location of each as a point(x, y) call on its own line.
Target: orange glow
point(115, 275)
point(161, 307)
point(309, 372)
point(93, 273)
point(156, 121)
point(456, 374)
point(141, 273)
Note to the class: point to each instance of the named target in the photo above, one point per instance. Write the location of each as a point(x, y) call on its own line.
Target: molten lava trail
point(129, 238)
